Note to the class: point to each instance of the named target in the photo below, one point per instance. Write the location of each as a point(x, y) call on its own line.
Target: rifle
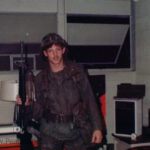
point(22, 120)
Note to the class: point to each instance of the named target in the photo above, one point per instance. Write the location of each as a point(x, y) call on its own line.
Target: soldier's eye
point(49, 50)
point(58, 49)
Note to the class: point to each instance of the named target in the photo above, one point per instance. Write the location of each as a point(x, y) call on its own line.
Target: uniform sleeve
point(90, 100)
point(37, 108)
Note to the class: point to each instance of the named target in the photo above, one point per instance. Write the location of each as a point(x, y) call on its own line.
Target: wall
point(143, 52)
point(28, 6)
point(103, 7)
point(26, 27)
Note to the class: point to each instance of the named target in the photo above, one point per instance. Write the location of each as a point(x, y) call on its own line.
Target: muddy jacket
point(61, 92)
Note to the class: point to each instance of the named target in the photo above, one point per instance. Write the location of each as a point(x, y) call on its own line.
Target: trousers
point(51, 143)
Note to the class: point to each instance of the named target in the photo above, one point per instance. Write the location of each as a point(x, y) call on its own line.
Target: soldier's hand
point(19, 102)
point(97, 136)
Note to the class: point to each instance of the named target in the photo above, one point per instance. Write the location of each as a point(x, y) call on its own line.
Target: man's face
point(54, 54)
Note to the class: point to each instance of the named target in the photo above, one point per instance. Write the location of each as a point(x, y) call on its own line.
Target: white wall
point(27, 27)
point(143, 51)
point(28, 6)
point(103, 7)
point(27, 20)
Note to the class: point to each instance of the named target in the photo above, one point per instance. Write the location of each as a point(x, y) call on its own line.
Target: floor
point(141, 148)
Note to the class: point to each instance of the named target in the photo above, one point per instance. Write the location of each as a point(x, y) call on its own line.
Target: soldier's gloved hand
point(19, 102)
point(97, 136)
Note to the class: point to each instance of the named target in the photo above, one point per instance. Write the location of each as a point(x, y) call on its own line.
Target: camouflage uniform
point(59, 94)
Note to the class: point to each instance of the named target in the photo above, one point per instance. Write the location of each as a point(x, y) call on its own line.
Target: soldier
point(65, 105)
